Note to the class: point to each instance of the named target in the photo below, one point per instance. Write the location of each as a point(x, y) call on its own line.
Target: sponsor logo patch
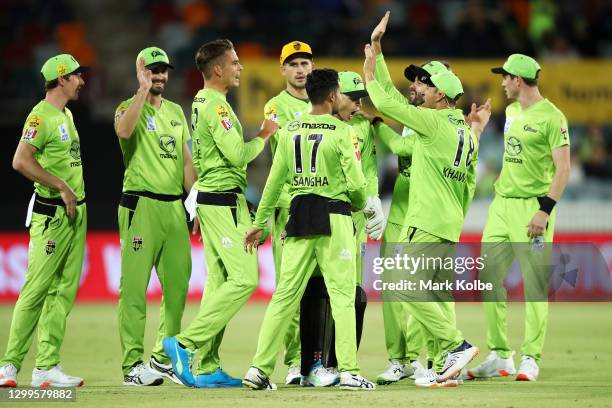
point(151, 123)
point(167, 143)
point(513, 146)
point(293, 126)
point(175, 123)
point(345, 254)
point(34, 121)
point(75, 150)
point(227, 242)
point(62, 69)
point(63, 131)
point(507, 124)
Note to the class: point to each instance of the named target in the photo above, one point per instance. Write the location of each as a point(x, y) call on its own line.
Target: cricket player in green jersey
point(319, 159)
point(220, 156)
point(535, 170)
point(290, 104)
point(444, 157)
point(404, 336)
point(153, 135)
point(319, 360)
point(49, 154)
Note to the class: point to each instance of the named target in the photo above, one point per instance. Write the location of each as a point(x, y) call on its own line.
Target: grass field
point(576, 370)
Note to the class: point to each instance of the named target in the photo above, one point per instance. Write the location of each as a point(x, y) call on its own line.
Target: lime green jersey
point(317, 154)
point(153, 155)
point(530, 136)
point(282, 109)
point(220, 154)
point(53, 134)
point(367, 152)
point(401, 145)
point(443, 164)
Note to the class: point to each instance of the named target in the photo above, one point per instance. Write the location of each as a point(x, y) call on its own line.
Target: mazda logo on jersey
point(75, 150)
point(513, 146)
point(167, 143)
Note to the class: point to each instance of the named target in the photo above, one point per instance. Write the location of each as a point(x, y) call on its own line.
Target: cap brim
point(80, 69)
point(299, 54)
point(158, 64)
point(499, 70)
point(356, 94)
point(414, 71)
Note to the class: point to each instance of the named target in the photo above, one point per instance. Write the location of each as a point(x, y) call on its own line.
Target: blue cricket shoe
point(218, 379)
point(181, 360)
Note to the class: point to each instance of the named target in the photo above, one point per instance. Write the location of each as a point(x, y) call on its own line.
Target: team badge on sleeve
point(224, 117)
point(356, 146)
point(271, 114)
point(29, 133)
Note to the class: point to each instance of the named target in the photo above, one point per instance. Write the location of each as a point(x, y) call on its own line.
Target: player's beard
point(157, 91)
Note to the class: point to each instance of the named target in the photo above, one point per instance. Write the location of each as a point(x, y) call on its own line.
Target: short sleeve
point(558, 132)
point(35, 131)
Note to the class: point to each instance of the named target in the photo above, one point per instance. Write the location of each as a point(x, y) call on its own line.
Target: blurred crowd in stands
point(33, 30)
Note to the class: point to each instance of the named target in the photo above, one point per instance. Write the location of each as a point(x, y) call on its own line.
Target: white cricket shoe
point(320, 376)
point(456, 360)
point(350, 381)
point(255, 379)
point(141, 375)
point(395, 371)
point(163, 370)
point(417, 370)
point(430, 380)
point(8, 376)
point(529, 370)
point(493, 366)
point(294, 375)
point(55, 377)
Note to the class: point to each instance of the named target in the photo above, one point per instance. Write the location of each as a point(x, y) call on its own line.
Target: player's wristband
point(377, 119)
point(546, 204)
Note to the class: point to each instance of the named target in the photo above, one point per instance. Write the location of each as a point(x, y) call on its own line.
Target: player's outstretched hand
point(268, 128)
point(69, 199)
point(144, 76)
point(380, 29)
point(252, 239)
point(479, 117)
point(369, 65)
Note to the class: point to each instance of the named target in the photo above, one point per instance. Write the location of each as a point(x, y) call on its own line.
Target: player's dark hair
point(320, 83)
point(54, 83)
point(207, 55)
point(529, 82)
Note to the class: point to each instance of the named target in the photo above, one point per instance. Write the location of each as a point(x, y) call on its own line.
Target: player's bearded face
point(295, 72)
point(416, 92)
point(430, 95)
point(159, 79)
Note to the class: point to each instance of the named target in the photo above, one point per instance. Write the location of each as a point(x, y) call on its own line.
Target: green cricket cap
point(424, 71)
point(60, 65)
point(519, 65)
point(448, 83)
point(351, 84)
point(154, 57)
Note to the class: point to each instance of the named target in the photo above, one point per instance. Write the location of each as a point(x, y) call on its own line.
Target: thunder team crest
point(137, 244)
point(50, 247)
